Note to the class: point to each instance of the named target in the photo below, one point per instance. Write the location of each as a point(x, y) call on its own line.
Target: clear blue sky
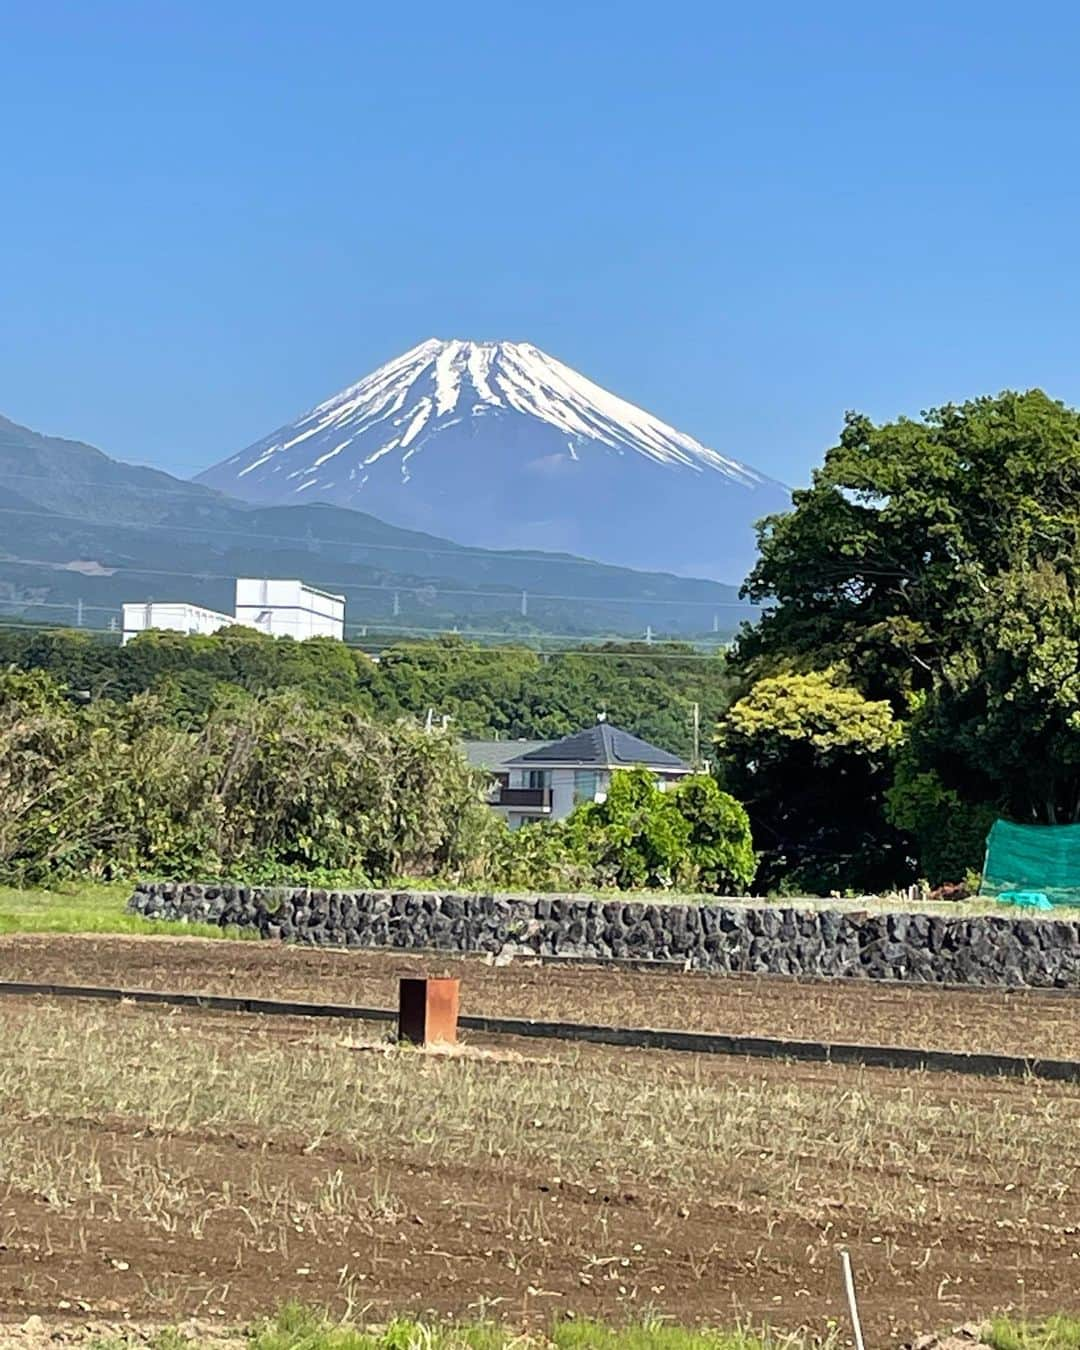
point(747, 218)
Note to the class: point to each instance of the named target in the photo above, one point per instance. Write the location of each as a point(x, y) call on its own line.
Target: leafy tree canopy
point(888, 560)
point(693, 835)
point(508, 692)
point(936, 561)
point(810, 757)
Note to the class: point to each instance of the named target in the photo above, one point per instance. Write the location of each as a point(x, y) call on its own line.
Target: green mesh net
point(1033, 865)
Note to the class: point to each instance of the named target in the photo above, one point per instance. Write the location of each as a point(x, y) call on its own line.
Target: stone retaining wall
point(725, 936)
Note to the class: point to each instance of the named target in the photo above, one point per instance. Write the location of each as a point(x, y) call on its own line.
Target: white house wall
point(561, 782)
point(562, 793)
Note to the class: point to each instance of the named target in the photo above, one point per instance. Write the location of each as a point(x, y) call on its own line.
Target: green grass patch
point(300, 1328)
point(1055, 1333)
point(88, 908)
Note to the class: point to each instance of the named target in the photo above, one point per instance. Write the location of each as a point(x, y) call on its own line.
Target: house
point(546, 781)
point(493, 757)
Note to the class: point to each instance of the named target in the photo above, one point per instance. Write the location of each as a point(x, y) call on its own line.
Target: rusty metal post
point(428, 1011)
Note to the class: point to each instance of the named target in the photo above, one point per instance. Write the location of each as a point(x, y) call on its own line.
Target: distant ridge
point(78, 525)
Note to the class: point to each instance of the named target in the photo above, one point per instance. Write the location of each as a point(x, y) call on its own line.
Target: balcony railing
point(539, 799)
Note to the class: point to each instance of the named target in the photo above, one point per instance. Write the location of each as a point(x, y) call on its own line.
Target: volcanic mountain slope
point(499, 445)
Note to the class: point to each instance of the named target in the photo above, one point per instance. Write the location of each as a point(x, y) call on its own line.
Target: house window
point(585, 784)
point(538, 778)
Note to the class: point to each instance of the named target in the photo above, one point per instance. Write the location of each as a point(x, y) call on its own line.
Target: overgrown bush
point(264, 786)
point(693, 836)
point(273, 787)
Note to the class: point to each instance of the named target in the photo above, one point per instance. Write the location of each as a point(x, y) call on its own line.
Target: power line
point(457, 551)
point(514, 594)
point(406, 629)
point(369, 647)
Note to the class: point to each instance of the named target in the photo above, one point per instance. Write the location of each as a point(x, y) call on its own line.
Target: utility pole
point(697, 735)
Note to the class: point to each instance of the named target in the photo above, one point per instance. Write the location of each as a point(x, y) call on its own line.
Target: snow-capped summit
point(500, 445)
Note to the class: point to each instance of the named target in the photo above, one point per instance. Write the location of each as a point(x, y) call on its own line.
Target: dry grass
point(177, 1164)
point(676, 1124)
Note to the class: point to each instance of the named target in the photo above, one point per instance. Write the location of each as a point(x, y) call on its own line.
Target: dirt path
point(1021, 1023)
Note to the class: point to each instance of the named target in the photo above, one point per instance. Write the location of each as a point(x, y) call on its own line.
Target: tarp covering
point(1039, 859)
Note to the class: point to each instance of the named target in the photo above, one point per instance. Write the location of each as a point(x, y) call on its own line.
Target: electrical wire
point(416, 588)
point(369, 646)
point(535, 556)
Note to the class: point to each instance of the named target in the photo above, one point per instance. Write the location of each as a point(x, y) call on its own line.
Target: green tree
point(1000, 731)
point(635, 838)
point(264, 786)
point(719, 846)
point(517, 693)
point(810, 757)
point(40, 738)
point(886, 561)
point(936, 562)
point(508, 691)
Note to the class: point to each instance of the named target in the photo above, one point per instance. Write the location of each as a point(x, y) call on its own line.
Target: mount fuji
point(499, 445)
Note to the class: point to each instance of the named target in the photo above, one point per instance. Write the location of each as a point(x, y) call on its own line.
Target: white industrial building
point(176, 616)
point(280, 608)
point(289, 609)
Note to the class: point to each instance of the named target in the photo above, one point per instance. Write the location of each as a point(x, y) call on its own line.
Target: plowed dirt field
point(1026, 1022)
point(171, 1164)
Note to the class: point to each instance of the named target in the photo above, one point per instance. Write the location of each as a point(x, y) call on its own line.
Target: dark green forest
point(272, 787)
point(487, 692)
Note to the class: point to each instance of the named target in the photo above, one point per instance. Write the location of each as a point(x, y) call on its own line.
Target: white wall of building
point(570, 786)
point(289, 608)
point(174, 616)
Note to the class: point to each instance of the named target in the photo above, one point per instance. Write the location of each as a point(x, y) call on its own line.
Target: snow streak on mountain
point(500, 445)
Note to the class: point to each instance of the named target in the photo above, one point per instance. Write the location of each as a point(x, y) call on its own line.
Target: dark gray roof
point(494, 755)
point(603, 746)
